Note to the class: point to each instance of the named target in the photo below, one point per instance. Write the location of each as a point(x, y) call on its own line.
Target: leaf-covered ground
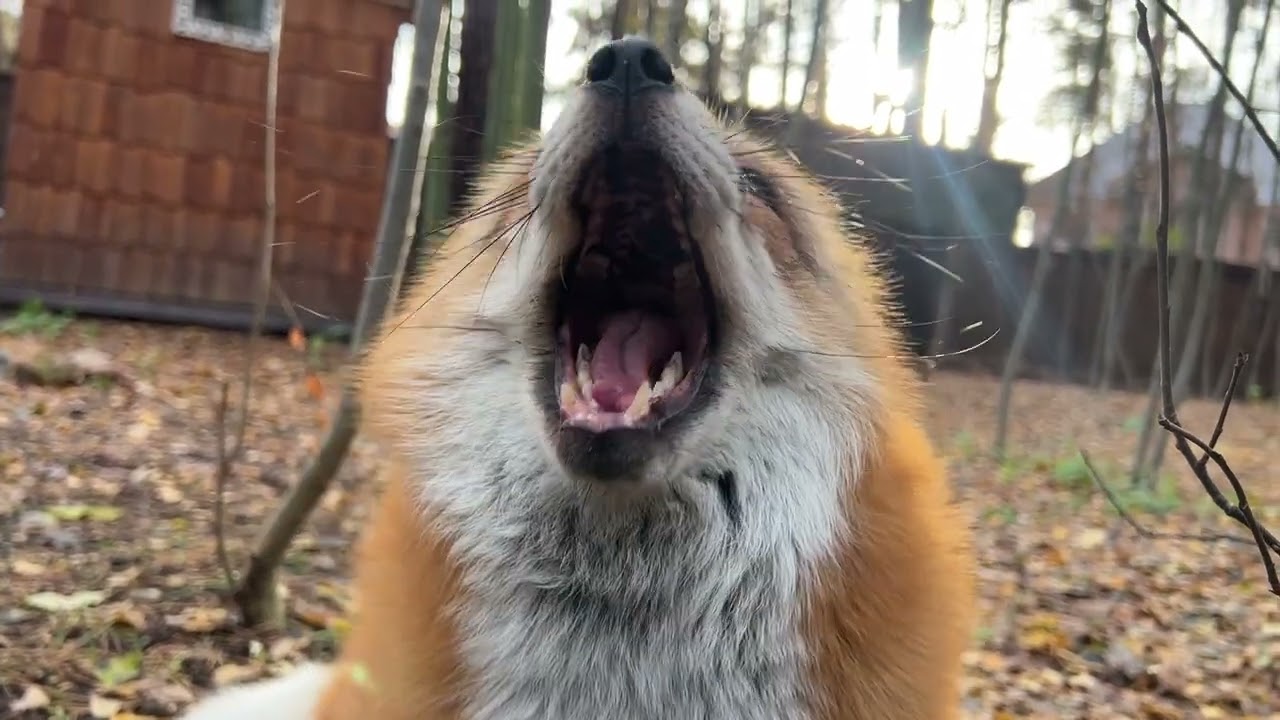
point(111, 606)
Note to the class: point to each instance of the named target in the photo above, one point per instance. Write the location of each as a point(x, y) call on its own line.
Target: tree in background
point(915, 31)
point(993, 73)
point(1088, 103)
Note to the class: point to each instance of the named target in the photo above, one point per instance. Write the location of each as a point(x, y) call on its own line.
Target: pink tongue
point(630, 344)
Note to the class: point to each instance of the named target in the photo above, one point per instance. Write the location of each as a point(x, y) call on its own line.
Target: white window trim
point(186, 24)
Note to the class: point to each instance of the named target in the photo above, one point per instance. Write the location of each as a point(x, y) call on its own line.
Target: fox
point(650, 449)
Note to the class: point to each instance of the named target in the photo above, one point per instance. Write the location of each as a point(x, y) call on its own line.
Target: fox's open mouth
point(635, 320)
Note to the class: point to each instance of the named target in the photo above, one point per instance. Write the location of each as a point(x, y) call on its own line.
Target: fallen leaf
point(102, 707)
point(129, 616)
point(233, 674)
point(33, 698)
point(171, 697)
point(120, 669)
point(315, 387)
point(26, 568)
point(57, 602)
point(198, 619)
point(1091, 538)
point(297, 339)
point(97, 513)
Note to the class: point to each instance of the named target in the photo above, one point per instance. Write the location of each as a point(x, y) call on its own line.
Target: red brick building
point(134, 171)
point(1246, 223)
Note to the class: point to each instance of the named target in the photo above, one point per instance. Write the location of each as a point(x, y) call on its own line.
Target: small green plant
point(1158, 498)
point(1072, 472)
point(33, 318)
point(1254, 392)
point(1004, 514)
point(1133, 423)
point(966, 445)
point(1016, 466)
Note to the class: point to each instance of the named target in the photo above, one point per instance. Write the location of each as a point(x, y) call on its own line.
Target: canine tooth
point(640, 403)
point(674, 370)
point(662, 386)
point(568, 396)
point(584, 362)
point(584, 370)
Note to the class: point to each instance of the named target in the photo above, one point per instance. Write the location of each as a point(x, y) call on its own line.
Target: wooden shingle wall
point(135, 159)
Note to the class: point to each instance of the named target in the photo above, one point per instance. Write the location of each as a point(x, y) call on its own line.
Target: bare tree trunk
point(751, 21)
point(787, 30)
point(821, 79)
point(1035, 294)
point(812, 68)
point(989, 115)
point(650, 19)
point(714, 40)
point(621, 13)
point(1212, 228)
point(536, 46)
point(1092, 112)
point(479, 28)
point(1083, 123)
point(257, 595)
point(506, 87)
point(915, 33)
point(1115, 308)
point(677, 24)
point(1260, 284)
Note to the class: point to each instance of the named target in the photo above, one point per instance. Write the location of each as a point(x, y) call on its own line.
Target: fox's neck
point(684, 603)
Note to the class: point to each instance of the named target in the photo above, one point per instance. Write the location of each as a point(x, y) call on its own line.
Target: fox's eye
point(753, 182)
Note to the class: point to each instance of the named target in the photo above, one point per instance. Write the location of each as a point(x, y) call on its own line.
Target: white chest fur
point(580, 608)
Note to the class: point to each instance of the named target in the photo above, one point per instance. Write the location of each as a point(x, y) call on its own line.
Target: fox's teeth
point(568, 396)
point(674, 370)
point(640, 403)
point(661, 387)
point(584, 371)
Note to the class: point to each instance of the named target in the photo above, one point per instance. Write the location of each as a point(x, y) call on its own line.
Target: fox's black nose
point(628, 66)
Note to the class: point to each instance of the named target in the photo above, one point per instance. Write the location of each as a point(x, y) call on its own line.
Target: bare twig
point(1184, 440)
point(1241, 359)
point(220, 488)
point(262, 286)
point(1249, 111)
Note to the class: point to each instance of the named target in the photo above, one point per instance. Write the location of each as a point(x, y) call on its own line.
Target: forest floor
point(111, 604)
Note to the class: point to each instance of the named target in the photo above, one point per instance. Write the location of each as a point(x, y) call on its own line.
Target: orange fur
point(892, 615)
point(399, 661)
point(892, 612)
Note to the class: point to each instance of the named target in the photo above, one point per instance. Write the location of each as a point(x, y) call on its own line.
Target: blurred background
point(174, 173)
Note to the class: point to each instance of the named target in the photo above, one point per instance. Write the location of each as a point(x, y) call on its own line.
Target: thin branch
point(220, 489)
point(1249, 111)
point(1236, 370)
point(1241, 511)
point(1162, 226)
point(262, 285)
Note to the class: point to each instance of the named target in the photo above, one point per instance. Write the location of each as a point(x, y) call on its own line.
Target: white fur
point(290, 697)
point(587, 601)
